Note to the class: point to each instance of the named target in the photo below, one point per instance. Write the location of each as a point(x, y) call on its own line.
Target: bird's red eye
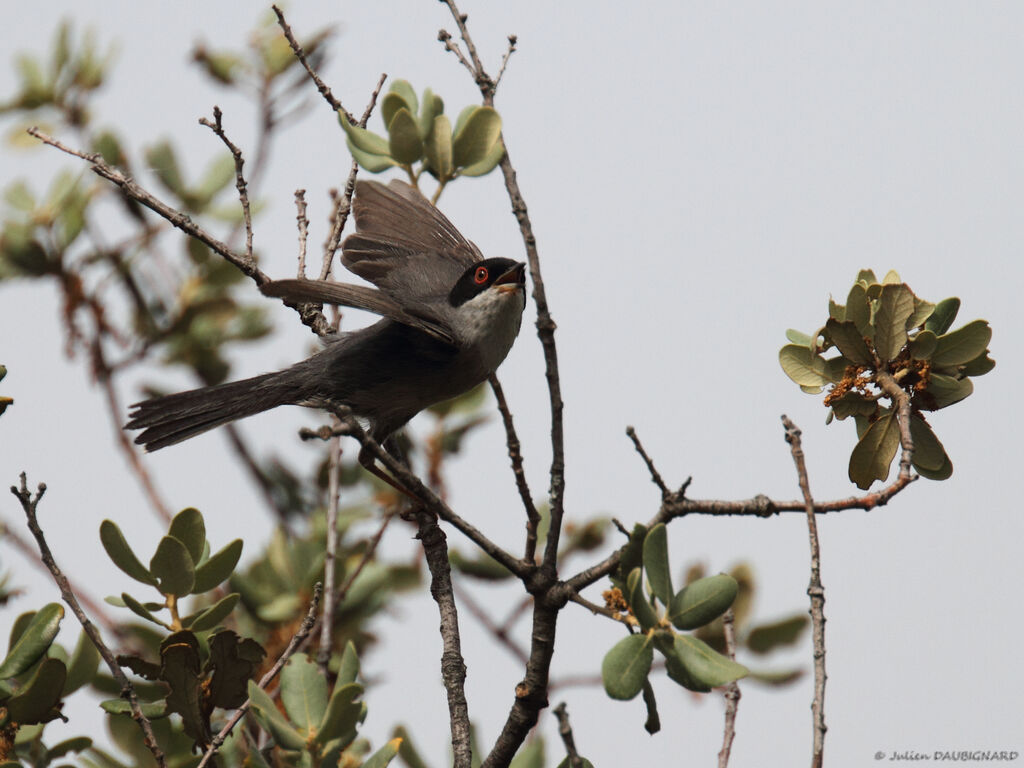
point(481, 275)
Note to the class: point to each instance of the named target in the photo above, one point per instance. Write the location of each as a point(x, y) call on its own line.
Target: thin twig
point(453, 667)
point(655, 476)
point(512, 42)
point(499, 633)
point(514, 453)
point(902, 402)
point(323, 655)
point(816, 592)
point(321, 86)
point(308, 313)
point(29, 505)
point(243, 193)
point(732, 691)
point(565, 731)
point(600, 610)
point(304, 630)
point(303, 225)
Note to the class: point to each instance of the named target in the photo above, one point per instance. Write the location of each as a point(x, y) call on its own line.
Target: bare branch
point(512, 439)
point(323, 655)
point(902, 401)
point(732, 691)
point(303, 224)
point(243, 194)
point(655, 477)
point(816, 592)
point(29, 504)
point(321, 86)
point(512, 41)
point(565, 731)
point(304, 629)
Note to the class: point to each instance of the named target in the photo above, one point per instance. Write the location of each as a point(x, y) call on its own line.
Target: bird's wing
point(405, 246)
point(359, 297)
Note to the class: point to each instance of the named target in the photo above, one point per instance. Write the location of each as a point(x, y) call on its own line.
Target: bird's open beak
point(512, 280)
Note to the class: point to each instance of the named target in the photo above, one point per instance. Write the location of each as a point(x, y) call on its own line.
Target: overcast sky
point(700, 178)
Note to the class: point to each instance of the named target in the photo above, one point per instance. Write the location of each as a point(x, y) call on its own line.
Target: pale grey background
point(700, 178)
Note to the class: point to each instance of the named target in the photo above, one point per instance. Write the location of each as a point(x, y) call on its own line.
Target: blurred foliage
point(419, 132)
point(885, 329)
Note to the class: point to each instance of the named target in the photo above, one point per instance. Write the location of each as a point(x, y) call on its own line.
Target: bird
point(449, 317)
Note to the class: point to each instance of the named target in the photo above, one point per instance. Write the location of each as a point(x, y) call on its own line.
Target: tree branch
point(732, 692)
point(565, 731)
point(323, 655)
point(29, 505)
point(655, 477)
point(816, 592)
point(512, 440)
point(243, 194)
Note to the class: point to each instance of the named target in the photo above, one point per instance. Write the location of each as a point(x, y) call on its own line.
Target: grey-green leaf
point(438, 148)
point(430, 108)
point(766, 638)
point(799, 338)
point(348, 669)
point(874, 452)
point(929, 453)
point(213, 615)
point(858, 309)
point(303, 692)
point(367, 141)
point(83, 664)
point(702, 601)
point(979, 366)
point(944, 391)
point(369, 161)
point(272, 719)
point(389, 106)
point(802, 366)
point(173, 567)
point(847, 337)
point(121, 554)
point(626, 665)
point(962, 345)
point(655, 558)
point(342, 713)
point(894, 307)
point(943, 315)
point(923, 345)
point(404, 143)
point(34, 641)
point(218, 568)
point(476, 137)
point(140, 610)
point(188, 528)
point(384, 755)
point(637, 596)
point(705, 664)
point(488, 163)
point(36, 701)
point(404, 89)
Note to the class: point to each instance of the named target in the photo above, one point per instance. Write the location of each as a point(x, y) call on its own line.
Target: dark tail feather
point(170, 419)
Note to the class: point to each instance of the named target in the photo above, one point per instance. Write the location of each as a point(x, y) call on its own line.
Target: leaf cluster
point(885, 333)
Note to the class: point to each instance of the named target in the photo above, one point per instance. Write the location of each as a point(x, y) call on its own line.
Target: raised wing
point(405, 246)
point(359, 297)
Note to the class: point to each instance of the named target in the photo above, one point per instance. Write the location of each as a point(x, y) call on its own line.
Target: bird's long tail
point(170, 419)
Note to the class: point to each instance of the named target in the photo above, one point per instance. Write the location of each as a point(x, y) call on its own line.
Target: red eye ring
point(480, 276)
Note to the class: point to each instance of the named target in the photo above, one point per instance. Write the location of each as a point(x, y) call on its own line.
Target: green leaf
point(348, 668)
point(438, 148)
point(74, 744)
point(410, 755)
point(188, 528)
point(922, 311)
point(962, 345)
point(271, 719)
point(140, 610)
point(632, 554)
point(153, 711)
point(858, 310)
point(303, 692)
point(836, 312)
point(803, 366)
point(404, 89)
point(874, 452)
point(488, 163)
point(389, 106)
point(369, 161)
point(704, 664)
point(164, 163)
point(942, 473)
point(894, 307)
point(778, 634)
point(36, 701)
point(853, 404)
point(362, 139)
point(342, 714)
point(929, 454)
point(655, 557)
point(847, 337)
point(626, 665)
point(891, 278)
point(482, 567)
point(404, 143)
point(867, 277)
point(212, 616)
point(33, 642)
point(923, 345)
point(218, 568)
point(979, 366)
point(702, 601)
point(799, 338)
point(943, 391)
point(943, 315)
point(82, 666)
point(172, 567)
point(121, 554)
point(476, 137)
point(637, 597)
point(384, 755)
point(430, 108)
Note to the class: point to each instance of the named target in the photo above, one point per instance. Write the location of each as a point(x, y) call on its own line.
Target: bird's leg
point(368, 462)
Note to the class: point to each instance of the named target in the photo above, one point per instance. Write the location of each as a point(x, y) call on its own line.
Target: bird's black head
point(483, 274)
